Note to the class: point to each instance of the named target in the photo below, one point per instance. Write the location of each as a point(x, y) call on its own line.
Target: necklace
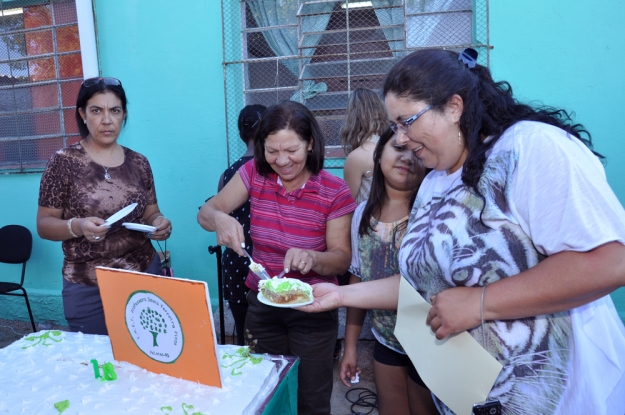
point(107, 176)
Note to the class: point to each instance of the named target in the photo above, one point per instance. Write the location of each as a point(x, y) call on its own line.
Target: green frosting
point(43, 338)
point(184, 409)
point(284, 284)
point(241, 357)
point(62, 406)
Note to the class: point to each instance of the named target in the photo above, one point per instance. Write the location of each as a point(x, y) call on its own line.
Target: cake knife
point(257, 268)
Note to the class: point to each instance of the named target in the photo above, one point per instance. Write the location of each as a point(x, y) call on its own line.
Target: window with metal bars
point(40, 74)
point(316, 52)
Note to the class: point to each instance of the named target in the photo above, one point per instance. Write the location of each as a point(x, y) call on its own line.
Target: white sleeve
point(354, 268)
point(560, 194)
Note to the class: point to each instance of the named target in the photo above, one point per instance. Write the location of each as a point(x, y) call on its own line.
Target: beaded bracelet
point(69, 228)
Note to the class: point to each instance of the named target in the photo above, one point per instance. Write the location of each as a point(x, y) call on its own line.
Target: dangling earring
point(459, 139)
point(85, 121)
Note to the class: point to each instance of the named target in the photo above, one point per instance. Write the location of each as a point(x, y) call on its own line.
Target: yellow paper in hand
point(457, 369)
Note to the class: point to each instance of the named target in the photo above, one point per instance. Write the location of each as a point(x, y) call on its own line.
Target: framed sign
point(162, 324)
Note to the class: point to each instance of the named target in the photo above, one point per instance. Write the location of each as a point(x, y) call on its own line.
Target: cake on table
point(53, 372)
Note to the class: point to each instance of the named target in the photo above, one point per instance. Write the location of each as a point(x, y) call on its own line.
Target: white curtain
point(388, 17)
point(424, 30)
point(284, 42)
point(430, 30)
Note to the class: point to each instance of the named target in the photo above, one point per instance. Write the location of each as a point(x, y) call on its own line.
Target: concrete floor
point(340, 403)
point(11, 331)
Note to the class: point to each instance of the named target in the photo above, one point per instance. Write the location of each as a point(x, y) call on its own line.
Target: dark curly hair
point(435, 75)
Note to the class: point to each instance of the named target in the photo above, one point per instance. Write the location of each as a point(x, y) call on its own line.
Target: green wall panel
point(168, 56)
point(568, 54)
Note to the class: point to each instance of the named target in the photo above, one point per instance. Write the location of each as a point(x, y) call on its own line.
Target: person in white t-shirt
point(515, 237)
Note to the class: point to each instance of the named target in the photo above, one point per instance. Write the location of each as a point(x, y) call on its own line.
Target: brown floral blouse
point(76, 184)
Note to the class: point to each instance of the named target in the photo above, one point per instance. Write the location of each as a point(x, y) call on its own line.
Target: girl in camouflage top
point(378, 227)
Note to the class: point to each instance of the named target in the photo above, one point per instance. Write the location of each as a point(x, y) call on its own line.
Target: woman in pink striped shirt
point(300, 223)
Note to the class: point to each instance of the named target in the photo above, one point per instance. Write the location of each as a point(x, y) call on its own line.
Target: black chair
point(217, 251)
point(222, 328)
point(16, 244)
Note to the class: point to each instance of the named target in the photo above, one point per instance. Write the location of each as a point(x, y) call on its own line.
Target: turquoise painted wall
point(569, 54)
point(168, 55)
point(18, 205)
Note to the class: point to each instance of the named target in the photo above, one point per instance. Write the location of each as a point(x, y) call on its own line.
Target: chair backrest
point(16, 244)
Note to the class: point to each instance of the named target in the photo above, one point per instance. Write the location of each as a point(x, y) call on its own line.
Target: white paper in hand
point(458, 370)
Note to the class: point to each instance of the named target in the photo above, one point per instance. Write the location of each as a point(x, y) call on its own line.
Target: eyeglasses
point(88, 83)
point(404, 126)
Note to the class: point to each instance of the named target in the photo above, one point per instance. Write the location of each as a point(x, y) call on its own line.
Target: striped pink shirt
point(280, 220)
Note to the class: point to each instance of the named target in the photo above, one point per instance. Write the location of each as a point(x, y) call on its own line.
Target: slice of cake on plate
point(286, 291)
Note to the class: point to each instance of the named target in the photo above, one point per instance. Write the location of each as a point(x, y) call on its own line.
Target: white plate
point(120, 214)
point(264, 300)
point(139, 227)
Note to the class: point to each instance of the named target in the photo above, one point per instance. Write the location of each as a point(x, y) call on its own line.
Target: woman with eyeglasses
point(300, 221)
point(515, 237)
point(234, 267)
point(83, 185)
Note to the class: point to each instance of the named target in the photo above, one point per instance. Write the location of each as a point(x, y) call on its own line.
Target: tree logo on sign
point(154, 326)
point(153, 322)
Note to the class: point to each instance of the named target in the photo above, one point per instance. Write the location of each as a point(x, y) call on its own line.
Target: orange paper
point(161, 324)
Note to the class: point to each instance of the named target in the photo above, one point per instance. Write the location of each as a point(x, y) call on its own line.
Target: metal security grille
point(315, 52)
point(40, 74)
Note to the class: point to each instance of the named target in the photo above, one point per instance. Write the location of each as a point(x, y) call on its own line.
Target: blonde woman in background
point(366, 120)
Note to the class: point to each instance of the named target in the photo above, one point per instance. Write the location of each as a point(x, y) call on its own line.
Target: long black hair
point(377, 196)
point(435, 75)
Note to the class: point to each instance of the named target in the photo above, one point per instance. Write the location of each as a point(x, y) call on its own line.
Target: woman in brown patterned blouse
point(82, 186)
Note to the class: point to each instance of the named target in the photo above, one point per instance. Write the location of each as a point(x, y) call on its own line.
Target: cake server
point(257, 268)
